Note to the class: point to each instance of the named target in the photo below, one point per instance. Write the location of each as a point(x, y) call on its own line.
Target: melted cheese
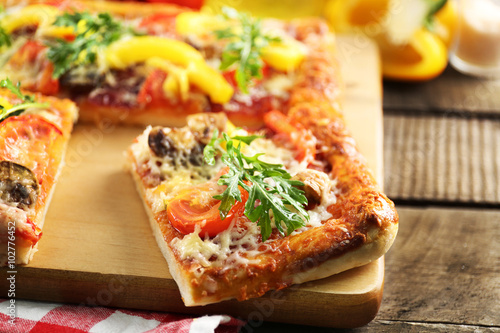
point(241, 243)
point(174, 178)
point(226, 249)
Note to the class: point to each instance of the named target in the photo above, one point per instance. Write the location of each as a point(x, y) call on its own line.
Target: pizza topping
point(4, 38)
point(9, 110)
point(92, 34)
point(18, 185)
point(248, 46)
point(315, 182)
point(203, 125)
point(272, 195)
point(244, 49)
point(195, 207)
point(292, 133)
point(26, 230)
point(39, 15)
point(160, 143)
point(127, 52)
point(237, 245)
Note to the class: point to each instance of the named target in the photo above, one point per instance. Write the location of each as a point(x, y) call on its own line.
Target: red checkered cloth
point(41, 317)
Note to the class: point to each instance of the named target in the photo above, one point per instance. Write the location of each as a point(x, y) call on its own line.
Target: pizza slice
point(34, 132)
point(158, 63)
point(237, 213)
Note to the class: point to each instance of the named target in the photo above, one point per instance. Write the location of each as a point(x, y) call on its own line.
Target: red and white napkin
point(42, 317)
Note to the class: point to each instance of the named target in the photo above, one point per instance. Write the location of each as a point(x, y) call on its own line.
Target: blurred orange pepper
point(424, 56)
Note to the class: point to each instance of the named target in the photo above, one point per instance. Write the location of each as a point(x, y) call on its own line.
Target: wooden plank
point(377, 326)
point(444, 267)
point(436, 158)
point(450, 92)
point(98, 249)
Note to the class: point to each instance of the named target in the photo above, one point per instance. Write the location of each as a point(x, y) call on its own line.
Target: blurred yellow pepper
point(126, 52)
point(409, 53)
point(285, 55)
point(40, 15)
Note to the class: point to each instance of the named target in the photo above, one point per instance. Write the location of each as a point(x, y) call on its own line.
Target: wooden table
point(442, 168)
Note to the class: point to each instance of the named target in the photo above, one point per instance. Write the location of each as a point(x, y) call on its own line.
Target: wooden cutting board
point(97, 247)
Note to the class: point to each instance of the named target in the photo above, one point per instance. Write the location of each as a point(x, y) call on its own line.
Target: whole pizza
point(249, 176)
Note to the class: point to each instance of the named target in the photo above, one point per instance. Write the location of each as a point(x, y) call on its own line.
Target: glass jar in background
point(477, 46)
point(284, 9)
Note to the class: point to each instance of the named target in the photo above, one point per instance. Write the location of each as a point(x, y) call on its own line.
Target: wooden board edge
point(294, 305)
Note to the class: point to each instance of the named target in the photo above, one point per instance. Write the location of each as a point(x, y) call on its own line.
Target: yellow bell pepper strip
point(5, 104)
point(196, 23)
point(127, 52)
point(41, 15)
point(424, 58)
point(286, 55)
point(283, 56)
point(177, 81)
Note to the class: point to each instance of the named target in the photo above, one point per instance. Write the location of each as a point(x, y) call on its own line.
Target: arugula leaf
point(27, 101)
point(92, 33)
point(272, 191)
point(4, 38)
point(244, 48)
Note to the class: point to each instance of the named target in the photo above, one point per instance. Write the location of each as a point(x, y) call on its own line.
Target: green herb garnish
point(4, 38)
point(244, 48)
point(27, 101)
point(92, 33)
point(272, 191)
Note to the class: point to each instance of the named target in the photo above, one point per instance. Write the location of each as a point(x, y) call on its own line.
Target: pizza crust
point(359, 257)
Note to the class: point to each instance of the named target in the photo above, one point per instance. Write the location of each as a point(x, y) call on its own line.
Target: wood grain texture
point(98, 248)
point(450, 92)
point(377, 326)
point(445, 267)
point(442, 275)
point(442, 158)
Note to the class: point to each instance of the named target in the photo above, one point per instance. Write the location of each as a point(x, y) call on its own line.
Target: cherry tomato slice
point(195, 207)
point(159, 23)
point(29, 54)
point(27, 140)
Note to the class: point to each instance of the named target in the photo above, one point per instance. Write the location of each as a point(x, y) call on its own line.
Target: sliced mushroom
point(196, 155)
point(160, 143)
point(315, 182)
point(203, 125)
point(18, 185)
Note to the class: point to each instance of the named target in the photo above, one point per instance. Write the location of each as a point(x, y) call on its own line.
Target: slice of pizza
point(158, 63)
point(34, 132)
point(237, 213)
